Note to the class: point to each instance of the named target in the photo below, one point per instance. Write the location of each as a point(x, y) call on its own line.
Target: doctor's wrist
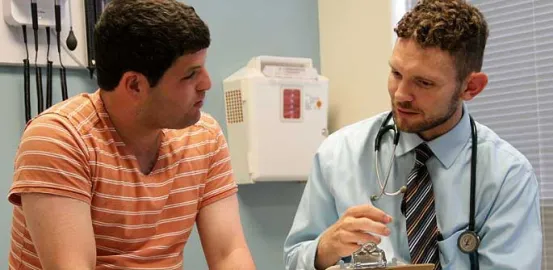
point(324, 257)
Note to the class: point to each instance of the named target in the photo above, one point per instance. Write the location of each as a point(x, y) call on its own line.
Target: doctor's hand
point(359, 225)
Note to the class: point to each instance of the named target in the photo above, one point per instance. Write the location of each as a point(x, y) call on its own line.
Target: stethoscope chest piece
point(468, 241)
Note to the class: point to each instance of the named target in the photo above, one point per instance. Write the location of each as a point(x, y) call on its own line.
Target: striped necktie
point(418, 208)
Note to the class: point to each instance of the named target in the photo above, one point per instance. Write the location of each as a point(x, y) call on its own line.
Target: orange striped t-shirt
point(139, 221)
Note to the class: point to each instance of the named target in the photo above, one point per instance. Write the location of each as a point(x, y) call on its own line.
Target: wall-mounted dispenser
point(17, 12)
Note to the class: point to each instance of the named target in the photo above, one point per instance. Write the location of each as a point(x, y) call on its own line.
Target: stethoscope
point(469, 240)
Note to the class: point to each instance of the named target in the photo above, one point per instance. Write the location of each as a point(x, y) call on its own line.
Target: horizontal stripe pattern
point(140, 221)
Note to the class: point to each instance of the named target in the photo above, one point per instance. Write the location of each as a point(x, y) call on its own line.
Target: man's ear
point(135, 84)
point(475, 84)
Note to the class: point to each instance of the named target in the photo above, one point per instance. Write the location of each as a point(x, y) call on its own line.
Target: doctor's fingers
point(368, 211)
point(365, 225)
point(348, 238)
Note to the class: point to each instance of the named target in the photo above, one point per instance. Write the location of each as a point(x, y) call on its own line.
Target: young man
point(435, 67)
point(117, 179)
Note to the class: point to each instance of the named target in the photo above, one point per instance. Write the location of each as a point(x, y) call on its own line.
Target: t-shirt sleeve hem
point(233, 190)
point(14, 196)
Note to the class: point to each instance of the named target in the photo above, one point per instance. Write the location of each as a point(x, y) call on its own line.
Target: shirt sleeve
point(512, 233)
point(51, 159)
point(220, 181)
point(316, 212)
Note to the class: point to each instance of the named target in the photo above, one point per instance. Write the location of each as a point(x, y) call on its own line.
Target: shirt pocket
point(449, 251)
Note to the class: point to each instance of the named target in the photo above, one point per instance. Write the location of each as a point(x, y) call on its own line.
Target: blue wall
point(240, 30)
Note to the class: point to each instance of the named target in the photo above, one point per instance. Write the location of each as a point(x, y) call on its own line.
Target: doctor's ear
point(475, 84)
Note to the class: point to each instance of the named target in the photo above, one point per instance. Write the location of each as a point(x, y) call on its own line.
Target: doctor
point(425, 214)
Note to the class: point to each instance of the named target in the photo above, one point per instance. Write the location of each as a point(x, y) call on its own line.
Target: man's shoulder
point(78, 113)
point(349, 142)
point(356, 132)
point(500, 149)
point(209, 123)
point(207, 128)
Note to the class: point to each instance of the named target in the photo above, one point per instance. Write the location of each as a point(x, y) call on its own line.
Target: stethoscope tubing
point(473, 255)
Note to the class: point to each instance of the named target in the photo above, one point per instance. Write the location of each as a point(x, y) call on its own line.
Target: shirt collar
point(446, 147)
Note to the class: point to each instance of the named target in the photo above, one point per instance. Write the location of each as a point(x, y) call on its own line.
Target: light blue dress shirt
point(507, 195)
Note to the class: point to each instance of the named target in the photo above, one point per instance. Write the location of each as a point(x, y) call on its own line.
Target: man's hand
point(359, 225)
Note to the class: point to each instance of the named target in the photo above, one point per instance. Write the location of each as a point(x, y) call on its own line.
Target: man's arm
point(218, 219)
point(222, 237)
point(61, 229)
point(52, 186)
point(512, 233)
point(316, 213)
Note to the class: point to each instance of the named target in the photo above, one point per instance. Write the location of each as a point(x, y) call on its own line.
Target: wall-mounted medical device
point(46, 17)
point(276, 115)
point(18, 12)
point(42, 34)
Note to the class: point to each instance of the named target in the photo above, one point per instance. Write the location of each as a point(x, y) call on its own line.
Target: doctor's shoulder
point(493, 148)
point(352, 137)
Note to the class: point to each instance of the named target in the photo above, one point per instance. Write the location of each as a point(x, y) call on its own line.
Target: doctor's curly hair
point(451, 25)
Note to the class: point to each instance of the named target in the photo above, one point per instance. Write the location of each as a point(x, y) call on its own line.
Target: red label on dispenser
point(291, 102)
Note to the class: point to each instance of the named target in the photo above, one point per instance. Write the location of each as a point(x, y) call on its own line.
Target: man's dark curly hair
point(145, 36)
point(451, 25)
